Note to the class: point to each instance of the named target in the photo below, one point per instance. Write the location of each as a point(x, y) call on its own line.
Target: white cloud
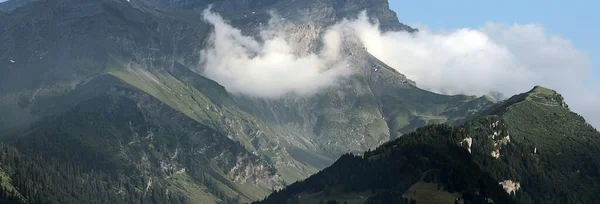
point(269, 67)
point(509, 59)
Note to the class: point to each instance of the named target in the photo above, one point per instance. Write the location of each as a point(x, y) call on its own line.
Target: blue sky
point(573, 20)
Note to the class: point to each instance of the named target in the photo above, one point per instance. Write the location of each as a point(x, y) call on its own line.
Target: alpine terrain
point(109, 101)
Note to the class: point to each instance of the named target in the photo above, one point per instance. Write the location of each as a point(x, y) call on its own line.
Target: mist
point(497, 58)
point(269, 67)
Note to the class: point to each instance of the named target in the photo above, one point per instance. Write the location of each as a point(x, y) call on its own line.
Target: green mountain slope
point(53, 46)
point(386, 173)
point(10, 194)
point(530, 145)
point(88, 77)
point(551, 151)
point(127, 138)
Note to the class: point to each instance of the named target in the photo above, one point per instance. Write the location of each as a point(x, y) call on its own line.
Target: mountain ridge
point(114, 72)
point(534, 162)
point(139, 54)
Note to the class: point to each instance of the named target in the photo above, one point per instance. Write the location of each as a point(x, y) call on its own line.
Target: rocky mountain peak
point(324, 12)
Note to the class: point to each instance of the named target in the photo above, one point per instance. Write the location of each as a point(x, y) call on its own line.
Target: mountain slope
point(551, 151)
point(65, 58)
point(530, 145)
point(52, 46)
point(129, 135)
point(386, 173)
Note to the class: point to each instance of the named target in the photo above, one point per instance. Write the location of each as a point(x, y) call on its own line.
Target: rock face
point(511, 187)
point(317, 12)
point(467, 143)
point(496, 153)
point(259, 174)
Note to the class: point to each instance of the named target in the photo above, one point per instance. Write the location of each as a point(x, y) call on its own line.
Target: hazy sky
point(573, 20)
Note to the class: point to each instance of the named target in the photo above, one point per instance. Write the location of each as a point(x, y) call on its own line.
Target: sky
point(573, 20)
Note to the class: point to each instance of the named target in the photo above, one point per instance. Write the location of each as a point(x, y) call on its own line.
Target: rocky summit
point(108, 101)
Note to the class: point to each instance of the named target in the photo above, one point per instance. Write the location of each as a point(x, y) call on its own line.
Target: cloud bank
point(506, 59)
point(496, 59)
point(269, 67)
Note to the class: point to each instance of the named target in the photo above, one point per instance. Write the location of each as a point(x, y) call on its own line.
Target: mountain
point(534, 139)
point(244, 13)
point(114, 63)
point(530, 145)
point(426, 166)
point(111, 93)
